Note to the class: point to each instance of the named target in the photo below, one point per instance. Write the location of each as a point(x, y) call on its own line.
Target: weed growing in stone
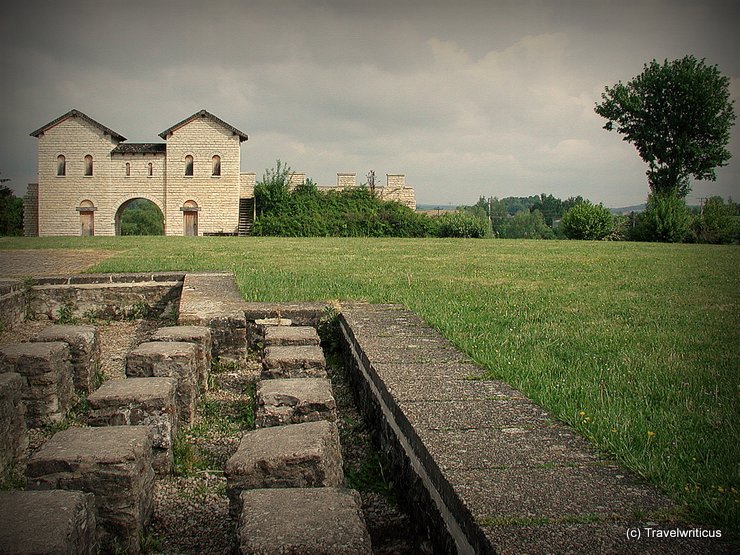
point(66, 314)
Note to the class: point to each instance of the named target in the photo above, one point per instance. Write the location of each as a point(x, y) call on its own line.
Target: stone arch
point(122, 203)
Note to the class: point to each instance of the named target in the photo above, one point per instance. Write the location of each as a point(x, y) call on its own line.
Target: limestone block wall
point(217, 197)
point(137, 184)
point(31, 211)
point(395, 189)
point(247, 182)
point(296, 179)
point(59, 196)
point(346, 180)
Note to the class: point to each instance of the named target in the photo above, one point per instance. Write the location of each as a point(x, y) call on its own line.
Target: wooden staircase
point(246, 216)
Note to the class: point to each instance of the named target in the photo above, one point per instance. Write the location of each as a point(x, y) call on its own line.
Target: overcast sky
point(467, 98)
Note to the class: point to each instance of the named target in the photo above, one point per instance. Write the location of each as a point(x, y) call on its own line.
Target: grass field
point(635, 345)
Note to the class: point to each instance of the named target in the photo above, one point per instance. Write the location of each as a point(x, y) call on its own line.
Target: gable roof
point(78, 114)
point(204, 114)
point(139, 148)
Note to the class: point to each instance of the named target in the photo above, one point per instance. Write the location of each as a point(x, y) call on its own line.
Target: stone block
point(140, 402)
point(200, 336)
point(175, 359)
point(291, 335)
point(256, 330)
point(302, 520)
point(293, 456)
point(84, 350)
point(13, 433)
point(113, 463)
point(48, 391)
point(294, 362)
point(47, 522)
point(294, 400)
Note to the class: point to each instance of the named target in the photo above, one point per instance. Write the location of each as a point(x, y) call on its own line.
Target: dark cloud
point(467, 98)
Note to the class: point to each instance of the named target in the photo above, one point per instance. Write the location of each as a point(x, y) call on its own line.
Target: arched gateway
point(88, 173)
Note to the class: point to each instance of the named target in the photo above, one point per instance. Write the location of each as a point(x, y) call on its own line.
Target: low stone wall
point(108, 296)
point(481, 467)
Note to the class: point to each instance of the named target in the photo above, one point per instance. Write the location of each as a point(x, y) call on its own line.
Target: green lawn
point(636, 345)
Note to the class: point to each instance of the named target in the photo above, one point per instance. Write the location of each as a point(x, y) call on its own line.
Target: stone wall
point(59, 196)
point(247, 181)
point(139, 184)
point(31, 211)
point(217, 197)
point(112, 296)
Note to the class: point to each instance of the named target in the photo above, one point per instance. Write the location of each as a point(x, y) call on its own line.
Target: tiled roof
point(78, 114)
point(140, 148)
point(204, 114)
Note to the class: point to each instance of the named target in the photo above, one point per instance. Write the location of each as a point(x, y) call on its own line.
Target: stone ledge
point(479, 462)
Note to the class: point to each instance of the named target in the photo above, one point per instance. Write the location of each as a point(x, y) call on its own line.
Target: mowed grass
point(635, 345)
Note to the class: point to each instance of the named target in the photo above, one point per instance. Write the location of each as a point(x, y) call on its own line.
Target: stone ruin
point(481, 468)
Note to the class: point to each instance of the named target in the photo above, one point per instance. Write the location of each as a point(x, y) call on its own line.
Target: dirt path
point(49, 262)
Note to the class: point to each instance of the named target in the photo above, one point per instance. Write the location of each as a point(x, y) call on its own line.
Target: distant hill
point(628, 209)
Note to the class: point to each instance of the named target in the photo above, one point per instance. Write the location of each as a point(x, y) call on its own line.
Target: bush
point(526, 225)
point(718, 223)
point(306, 211)
point(459, 224)
point(666, 219)
point(588, 221)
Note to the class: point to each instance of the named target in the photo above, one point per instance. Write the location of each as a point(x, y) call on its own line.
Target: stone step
point(113, 463)
point(287, 361)
point(291, 335)
point(308, 521)
point(48, 390)
point(294, 400)
point(293, 456)
point(13, 432)
point(140, 402)
point(176, 359)
point(84, 350)
point(200, 336)
point(54, 521)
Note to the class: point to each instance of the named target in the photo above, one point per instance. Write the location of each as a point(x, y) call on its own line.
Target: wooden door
point(87, 223)
point(190, 222)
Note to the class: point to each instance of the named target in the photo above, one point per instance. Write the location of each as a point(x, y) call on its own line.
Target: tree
point(666, 219)
point(718, 222)
point(142, 217)
point(11, 211)
point(526, 225)
point(272, 191)
point(678, 115)
point(587, 221)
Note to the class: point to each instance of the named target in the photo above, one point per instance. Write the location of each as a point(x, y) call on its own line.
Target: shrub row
point(307, 212)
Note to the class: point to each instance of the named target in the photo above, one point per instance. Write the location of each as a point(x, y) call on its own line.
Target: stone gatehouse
point(88, 174)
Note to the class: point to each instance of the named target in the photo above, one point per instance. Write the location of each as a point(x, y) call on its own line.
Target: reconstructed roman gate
point(88, 174)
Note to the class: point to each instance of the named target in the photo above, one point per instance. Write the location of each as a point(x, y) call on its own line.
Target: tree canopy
point(678, 115)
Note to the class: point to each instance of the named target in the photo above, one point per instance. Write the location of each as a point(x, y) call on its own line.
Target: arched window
point(150, 169)
point(216, 165)
point(188, 165)
point(61, 165)
point(128, 169)
point(88, 165)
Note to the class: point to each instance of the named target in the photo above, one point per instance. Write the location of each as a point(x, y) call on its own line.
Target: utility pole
point(701, 205)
